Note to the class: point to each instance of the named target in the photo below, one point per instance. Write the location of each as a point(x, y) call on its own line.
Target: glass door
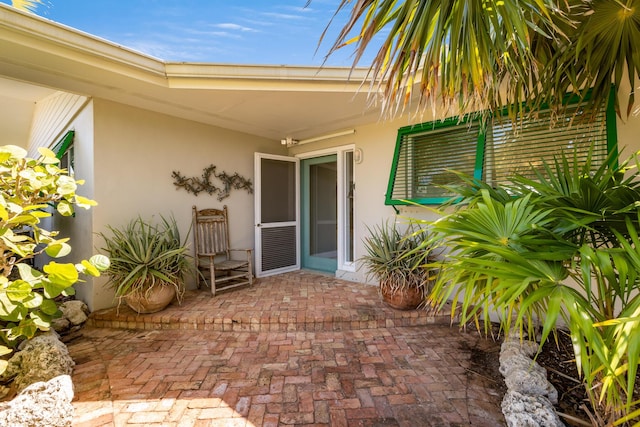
point(319, 216)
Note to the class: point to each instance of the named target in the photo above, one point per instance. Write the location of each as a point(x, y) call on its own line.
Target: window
point(64, 151)
point(427, 154)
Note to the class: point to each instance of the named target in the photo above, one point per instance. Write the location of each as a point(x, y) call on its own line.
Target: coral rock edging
point(530, 396)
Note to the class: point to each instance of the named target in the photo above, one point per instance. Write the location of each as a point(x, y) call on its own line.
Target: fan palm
point(479, 55)
point(564, 245)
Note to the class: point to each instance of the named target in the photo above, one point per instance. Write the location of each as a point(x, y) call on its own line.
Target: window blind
point(514, 149)
point(426, 161)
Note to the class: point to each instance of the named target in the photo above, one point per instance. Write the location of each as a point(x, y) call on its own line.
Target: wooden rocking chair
point(213, 255)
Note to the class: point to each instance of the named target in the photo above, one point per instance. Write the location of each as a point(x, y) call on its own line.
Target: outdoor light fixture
point(289, 141)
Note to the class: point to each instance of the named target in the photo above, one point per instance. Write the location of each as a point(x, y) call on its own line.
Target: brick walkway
point(295, 349)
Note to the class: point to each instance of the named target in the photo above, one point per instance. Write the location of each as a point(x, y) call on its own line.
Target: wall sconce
point(357, 155)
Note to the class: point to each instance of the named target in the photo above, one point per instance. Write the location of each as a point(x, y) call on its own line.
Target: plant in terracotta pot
point(398, 260)
point(149, 264)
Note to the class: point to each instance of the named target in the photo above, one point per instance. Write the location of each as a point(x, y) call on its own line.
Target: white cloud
point(285, 16)
point(236, 27)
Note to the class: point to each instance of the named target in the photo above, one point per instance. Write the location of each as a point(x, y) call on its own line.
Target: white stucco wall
point(135, 153)
point(15, 122)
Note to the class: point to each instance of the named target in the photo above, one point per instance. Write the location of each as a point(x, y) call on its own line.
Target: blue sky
point(273, 32)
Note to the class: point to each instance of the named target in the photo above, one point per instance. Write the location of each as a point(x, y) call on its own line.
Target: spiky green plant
point(145, 255)
point(393, 258)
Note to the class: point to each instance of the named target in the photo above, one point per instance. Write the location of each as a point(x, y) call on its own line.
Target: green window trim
point(423, 151)
point(62, 146)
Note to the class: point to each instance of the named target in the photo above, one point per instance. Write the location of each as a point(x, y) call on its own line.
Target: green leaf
point(60, 277)
point(12, 151)
point(49, 307)
point(18, 291)
point(10, 311)
point(65, 208)
point(100, 262)
point(85, 267)
point(41, 320)
point(85, 203)
point(58, 250)
point(66, 185)
point(4, 350)
point(69, 292)
point(26, 219)
point(7, 308)
point(26, 328)
point(48, 156)
point(29, 274)
point(35, 300)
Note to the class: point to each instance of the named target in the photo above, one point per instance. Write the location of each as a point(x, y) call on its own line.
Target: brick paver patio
point(295, 349)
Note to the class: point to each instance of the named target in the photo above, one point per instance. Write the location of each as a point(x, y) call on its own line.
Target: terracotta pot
point(402, 299)
point(150, 302)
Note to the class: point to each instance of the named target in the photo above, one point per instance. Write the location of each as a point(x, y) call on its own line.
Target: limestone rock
point(75, 311)
point(40, 359)
point(531, 382)
point(515, 345)
point(530, 396)
point(41, 404)
point(60, 324)
point(521, 410)
point(510, 362)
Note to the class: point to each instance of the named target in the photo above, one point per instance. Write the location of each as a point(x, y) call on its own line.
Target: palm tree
point(475, 55)
point(26, 5)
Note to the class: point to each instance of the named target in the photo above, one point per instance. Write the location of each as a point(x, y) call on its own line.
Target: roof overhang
point(268, 101)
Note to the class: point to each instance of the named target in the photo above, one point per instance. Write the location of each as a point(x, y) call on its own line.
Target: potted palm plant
point(149, 264)
point(398, 260)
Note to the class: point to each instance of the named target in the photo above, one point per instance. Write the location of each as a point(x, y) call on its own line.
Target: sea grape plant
point(30, 190)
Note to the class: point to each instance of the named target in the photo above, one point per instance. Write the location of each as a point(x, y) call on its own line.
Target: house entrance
point(304, 211)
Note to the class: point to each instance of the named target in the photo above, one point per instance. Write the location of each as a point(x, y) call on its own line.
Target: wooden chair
point(213, 255)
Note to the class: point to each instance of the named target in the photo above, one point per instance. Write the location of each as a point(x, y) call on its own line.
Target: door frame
point(342, 194)
point(259, 225)
point(308, 260)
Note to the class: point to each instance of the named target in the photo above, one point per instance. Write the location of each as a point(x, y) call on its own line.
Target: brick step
point(298, 301)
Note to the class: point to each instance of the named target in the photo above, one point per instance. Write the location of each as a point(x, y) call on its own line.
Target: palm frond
point(456, 53)
point(465, 56)
point(26, 5)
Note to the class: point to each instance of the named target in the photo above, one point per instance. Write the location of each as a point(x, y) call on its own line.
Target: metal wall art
point(198, 185)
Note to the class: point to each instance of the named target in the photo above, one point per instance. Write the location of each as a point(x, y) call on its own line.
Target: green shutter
point(425, 160)
point(512, 150)
point(61, 146)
